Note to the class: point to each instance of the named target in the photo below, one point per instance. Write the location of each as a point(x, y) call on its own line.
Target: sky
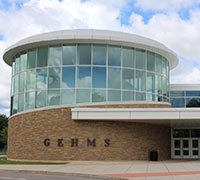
point(175, 23)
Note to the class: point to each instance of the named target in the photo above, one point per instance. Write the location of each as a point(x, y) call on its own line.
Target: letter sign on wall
point(91, 143)
point(47, 142)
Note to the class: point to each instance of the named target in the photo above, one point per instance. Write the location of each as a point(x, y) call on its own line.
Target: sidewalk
point(135, 170)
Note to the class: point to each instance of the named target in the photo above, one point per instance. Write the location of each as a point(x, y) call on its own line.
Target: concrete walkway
point(135, 170)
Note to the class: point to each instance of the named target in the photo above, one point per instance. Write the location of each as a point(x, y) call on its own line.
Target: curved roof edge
point(184, 87)
point(90, 36)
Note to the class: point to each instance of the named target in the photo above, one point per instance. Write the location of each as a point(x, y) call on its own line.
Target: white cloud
point(37, 16)
point(165, 5)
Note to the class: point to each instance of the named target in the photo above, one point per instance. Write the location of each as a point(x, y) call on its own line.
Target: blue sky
point(174, 23)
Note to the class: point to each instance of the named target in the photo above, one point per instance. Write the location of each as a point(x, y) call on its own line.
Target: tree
point(3, 130)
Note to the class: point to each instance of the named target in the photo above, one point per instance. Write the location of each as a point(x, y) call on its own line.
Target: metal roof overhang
point(173, 116)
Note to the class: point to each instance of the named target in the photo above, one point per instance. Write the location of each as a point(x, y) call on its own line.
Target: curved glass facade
point(87, 73)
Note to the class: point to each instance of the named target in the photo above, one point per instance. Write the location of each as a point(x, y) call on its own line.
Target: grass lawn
point(3, 160)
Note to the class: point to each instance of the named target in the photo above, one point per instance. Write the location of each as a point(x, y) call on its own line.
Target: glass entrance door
point(195, 148)
point(181, 148)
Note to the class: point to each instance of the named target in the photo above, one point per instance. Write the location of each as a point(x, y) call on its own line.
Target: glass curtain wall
point(87, 73)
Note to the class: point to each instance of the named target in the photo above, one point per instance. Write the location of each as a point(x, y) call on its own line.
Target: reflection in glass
point(54, 77)
point(114, 78)
point(31, 79)
point(150, 61)
point(83, 96)
point(140, 81)
point(98, 95)
point(164, 70)
point(84, 54)
point(177, 102)
point(17, 64)
point(31, 62)
point(68, 77)
point(128, 79)
point(177, 93)
point(21, 102)
point(192, 102)
point(69, 55)
point(140, 96)
point(140, 59)
point(22, 79)
point(84, 77)
point(114, 95)
point(42, 56)
point(114, 56)
point(23, 62)
point(68, 96)
point(41, 99)
point(127, 96)
point(99, 77)
point(164, 84)
point(192, 93)
point(158, 85)
point(150, 97)
point(15, 104)
point(181, 133)
point(16, 84)
point(128, 57)
point(53, 97)
point(30, 100)
point(55, 55)
point(41, 78)
point(150, 82)
point(99, 54)
point(158, 63)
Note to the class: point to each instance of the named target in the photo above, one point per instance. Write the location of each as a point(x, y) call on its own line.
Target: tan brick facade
point(114, 140)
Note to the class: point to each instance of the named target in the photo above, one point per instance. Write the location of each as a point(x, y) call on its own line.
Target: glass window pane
point(158, 63)
point(150, 97)
point(98, 95)
point(16, 82)
point(83, 96)
point(181, 133)
point(69, 55)
point(177, 93)
point(99, 77)
point(140, 81)
point(150, 61)
point(150, 82)
point(31, 79)
point(55, 54)
point(13, 68)
point(158, 85)
point(192, 102)
point(54, 78)
point(21, 103)
point(164, 68)
point(114, 56)
point(84, 54)
point(177, 102)
point(42, 56)
point(31, 63)
point(140, 59)
point(128, 79)
point(195, 133)
point(41, 99)
point(192, 93)
point(127, 95)
point(30, 100)
point(68, 96)
point(68, 77)
point(42, 78)
point(128, 57)
point(99, 54)
point(164, 85)
point(22, 79)
point(53, 97)
point(84, 77)
point(177, 143)
point(114, 78)
point(15, 104)
point(114, 95)
point(17, 64)
point(140, 96)
point(23, 60)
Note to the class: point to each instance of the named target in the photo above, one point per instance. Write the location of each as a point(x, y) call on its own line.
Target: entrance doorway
point(186, 143)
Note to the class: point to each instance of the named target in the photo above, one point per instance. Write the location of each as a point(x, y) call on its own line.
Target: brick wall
point(114, 140)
